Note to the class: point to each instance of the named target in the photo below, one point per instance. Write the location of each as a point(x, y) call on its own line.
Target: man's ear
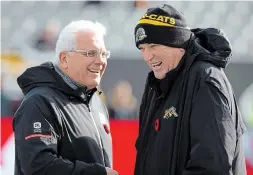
point(63, 61)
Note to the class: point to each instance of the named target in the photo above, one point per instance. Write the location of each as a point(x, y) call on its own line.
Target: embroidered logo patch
point(140, 34)
point(171, 112)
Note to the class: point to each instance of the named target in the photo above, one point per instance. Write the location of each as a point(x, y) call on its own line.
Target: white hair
point(67, 37)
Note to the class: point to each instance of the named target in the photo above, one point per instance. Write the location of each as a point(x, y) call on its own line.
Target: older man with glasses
point(62, 125)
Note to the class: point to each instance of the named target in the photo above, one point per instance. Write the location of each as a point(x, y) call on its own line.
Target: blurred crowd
point(121, 101)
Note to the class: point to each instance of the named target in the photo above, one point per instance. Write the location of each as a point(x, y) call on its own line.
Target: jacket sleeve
point(213, 133)
point(37, 141)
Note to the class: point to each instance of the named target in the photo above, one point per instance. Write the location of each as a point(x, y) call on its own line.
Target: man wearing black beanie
point(189, 122)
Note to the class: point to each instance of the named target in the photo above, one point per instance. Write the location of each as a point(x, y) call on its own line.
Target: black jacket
point(189, 121)
point(59, 130)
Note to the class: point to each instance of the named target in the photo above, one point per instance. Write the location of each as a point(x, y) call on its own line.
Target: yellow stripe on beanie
point(156, 23)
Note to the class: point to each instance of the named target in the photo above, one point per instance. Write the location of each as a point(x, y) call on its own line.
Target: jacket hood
point(45, 75)
point(212, 45)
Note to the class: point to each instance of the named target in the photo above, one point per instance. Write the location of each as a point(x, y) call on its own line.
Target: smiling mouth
point(157, 64)
point(94, 71)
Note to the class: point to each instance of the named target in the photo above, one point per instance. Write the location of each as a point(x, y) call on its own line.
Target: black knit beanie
point(163, 25)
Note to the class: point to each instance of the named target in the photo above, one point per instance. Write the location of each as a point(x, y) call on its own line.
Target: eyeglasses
point(93, 53)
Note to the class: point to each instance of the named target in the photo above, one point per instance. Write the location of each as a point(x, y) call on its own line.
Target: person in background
point(47, 38)
point(5, 102)
point(123, 104)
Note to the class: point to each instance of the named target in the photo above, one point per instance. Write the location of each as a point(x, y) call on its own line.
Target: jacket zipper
point(99, 136)
point(146, 145)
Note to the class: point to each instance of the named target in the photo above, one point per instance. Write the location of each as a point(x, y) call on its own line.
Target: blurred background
point(29, 31)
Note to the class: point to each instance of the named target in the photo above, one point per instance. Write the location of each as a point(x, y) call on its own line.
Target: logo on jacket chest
point(171, 112)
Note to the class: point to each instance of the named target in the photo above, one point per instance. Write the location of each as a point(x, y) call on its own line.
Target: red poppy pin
point(107, 129)
point(156, 124)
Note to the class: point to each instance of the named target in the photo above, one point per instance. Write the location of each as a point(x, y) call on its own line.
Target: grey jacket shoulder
point(48, 101)
point(42, 91)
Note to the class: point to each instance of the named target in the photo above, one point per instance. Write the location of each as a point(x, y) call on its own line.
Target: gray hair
point(67, 41)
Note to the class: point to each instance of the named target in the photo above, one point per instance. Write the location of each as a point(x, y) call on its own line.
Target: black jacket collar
point(45, 75)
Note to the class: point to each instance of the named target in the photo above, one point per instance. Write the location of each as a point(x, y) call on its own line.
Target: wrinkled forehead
point(145, 45)
point(89, 40)
point(158, 46)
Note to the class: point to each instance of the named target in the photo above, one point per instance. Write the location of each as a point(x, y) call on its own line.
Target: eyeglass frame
point(86, 52)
